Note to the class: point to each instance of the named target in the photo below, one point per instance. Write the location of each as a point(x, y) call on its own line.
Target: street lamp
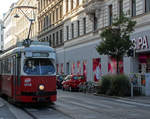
point(27, 41)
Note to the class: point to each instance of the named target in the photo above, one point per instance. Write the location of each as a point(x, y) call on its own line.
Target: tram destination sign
point(37, 54)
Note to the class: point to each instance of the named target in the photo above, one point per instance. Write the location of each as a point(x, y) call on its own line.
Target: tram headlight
point(41, 87)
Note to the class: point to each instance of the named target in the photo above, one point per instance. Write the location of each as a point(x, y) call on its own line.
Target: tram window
point(6, 66)
point(39, 67)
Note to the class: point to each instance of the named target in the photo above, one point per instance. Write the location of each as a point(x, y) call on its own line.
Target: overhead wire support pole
point(27, 41)
point(30, 20)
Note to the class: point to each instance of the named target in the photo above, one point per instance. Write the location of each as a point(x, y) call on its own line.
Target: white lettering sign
point(140, 43)
point(27, 82)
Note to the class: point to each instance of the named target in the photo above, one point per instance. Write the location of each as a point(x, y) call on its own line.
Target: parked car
point(59, 79)
point(71, 82)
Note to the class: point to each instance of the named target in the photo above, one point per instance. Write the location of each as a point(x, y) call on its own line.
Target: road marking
point(89, 106)
point(116, 103)
point(133, 103)
point(85, 103)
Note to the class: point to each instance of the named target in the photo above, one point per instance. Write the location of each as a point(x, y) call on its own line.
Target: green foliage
point(120, 86)
point(105, 84)
point(116, 38)
point(117, 85)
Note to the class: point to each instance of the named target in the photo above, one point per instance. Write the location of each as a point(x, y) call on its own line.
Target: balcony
point(92, 6)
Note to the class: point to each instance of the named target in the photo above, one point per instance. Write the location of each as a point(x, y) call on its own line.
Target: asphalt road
point(87, 106)
point(76, 105)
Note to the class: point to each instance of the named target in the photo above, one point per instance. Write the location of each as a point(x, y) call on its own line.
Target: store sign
point(140, 43)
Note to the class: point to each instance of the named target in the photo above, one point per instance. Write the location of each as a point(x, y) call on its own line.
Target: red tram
point(27, 74)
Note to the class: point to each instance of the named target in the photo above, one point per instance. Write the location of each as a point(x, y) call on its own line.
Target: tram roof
point(32, 48)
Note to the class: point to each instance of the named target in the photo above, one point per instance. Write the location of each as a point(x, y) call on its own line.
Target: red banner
point(79, 68)
point(73, 69)
point(84, 69)
point(112, 66)
point(97, 69)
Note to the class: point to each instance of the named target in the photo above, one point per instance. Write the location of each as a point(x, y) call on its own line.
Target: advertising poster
point(62, 69)
point(73, 68)
point(112, 66)
point(84, 69)
point(78, 68)
point(97, 69)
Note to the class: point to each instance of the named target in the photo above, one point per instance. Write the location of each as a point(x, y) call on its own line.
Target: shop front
point(141, 42)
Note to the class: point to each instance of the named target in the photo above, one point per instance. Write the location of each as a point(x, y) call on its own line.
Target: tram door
point(16, 76)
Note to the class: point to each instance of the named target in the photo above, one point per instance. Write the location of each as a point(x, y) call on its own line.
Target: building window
point(1, 38)
point(72, 29)
point(66, 6)
point(53, 39)
point(84, 25)
point(78, 27)
point(120, 7)
point(41, 4)
point(110, 15)
point(44, 22)
point(147, 6)
point(71, 4)
point(47, 21)
point(133, 8)
point(77, 2)
point(57, 14)
point(47, 39)
point(53, 17)
point(61, 36)
point(57, 38)
point(61, 9)
point(50, 40)
point(67, 30)
point(50, 21)
point(95, 23)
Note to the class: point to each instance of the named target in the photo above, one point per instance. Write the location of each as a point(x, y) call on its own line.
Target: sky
point(5, 5)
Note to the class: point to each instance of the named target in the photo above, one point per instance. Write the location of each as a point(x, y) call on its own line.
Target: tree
point(116, 38)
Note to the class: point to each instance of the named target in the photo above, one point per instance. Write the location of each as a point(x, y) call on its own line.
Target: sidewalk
point(139, 99)
point(5, 113)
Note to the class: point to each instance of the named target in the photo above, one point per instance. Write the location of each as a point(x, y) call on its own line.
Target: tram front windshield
point(38, 67)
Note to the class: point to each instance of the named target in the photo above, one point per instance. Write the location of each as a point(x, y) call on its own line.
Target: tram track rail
point(29, 113)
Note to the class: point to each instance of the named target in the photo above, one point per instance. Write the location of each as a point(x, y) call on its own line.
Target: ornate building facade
point(17, 29)
point(81, 22)
point(50, 16)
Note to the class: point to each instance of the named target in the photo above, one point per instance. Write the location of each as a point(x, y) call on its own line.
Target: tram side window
point(3, 66)
point(6, 66)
